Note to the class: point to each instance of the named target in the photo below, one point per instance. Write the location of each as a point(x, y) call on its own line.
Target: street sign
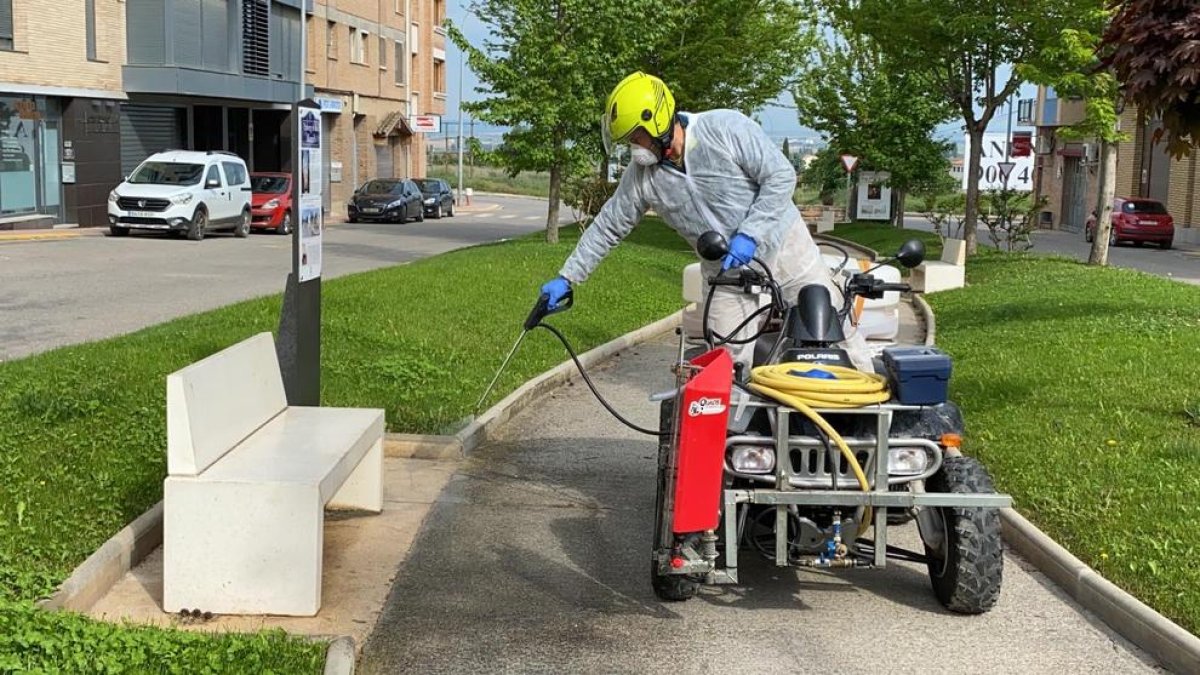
point(425, 124)
point(1022, 143)
point(1005, 169)
point(849, 161)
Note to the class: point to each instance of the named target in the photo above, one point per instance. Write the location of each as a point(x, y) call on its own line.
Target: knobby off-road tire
point(968, 581)
point(668, 587)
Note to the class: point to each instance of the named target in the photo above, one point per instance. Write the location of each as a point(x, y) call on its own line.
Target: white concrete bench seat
point(946, 274)
point(248, 481)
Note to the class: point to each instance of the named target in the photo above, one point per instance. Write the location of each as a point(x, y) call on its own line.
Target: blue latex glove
point(741, 251)
point(557, 288)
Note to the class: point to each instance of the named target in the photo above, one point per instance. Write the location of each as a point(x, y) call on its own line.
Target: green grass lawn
point(494, 179)
point(1081, 391)
point(83, 428)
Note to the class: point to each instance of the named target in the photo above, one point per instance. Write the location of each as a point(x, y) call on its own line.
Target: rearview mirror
point(212, 184)
point(712, 246)
point(911, 253)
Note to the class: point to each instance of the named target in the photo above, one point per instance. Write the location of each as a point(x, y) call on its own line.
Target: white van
point(182, 191)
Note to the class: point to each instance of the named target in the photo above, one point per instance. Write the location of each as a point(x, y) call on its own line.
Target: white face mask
point(642, 156)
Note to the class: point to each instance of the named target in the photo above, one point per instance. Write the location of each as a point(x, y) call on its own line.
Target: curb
point(926, 313)
point(104, 568)
point(481, 428)
point(1158, 636)
point(509, 194)
point(340, 656)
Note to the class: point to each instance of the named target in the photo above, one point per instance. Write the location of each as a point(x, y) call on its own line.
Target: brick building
point(1066, 173)
point(88, 88)
point(374, 65)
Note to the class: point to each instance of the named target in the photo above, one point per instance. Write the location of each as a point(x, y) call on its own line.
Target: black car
point(439, 200)
point(386, 200)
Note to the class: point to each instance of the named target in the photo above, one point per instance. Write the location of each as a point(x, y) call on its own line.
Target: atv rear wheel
point(668, 587)
point(966, 558)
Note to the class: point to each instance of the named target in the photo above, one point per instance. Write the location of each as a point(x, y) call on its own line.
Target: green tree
point(725, 53)
point(826, 174)
point(875, 108)
point(787, 152)
point(963, 45)
point(1073, 67)
point(1153, 46)
point(547, 66)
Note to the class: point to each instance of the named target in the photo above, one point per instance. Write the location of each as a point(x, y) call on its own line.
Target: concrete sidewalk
point(535, 559)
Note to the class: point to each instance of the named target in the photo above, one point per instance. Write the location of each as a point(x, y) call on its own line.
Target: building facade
point(89, 88)
point(373, 66)
point(1066, 172)
point(60, 95)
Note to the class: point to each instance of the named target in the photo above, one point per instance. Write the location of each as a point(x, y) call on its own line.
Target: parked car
point(438, 198)
point(386, 200)
point(182, 191)
point(271, 202)
point(1137, 220)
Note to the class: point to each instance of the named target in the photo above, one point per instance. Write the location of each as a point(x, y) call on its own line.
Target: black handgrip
point(542, 309)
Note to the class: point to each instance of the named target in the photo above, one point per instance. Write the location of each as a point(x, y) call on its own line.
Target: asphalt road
point(61, 292)
point(535, 559)
point(1180, 263)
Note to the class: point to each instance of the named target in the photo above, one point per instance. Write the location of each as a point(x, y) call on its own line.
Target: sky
point(778, 120)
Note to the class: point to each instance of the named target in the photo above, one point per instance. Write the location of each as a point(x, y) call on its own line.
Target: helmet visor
point(611, 143)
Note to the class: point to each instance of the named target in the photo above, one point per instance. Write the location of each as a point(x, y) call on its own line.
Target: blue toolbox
point(917, 375)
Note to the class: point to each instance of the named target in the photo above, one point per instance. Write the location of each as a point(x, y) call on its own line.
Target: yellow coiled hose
point(786, 383)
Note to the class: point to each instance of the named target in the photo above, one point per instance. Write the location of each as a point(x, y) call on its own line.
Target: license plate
point(1148, 223)
point(371, 209)
point(142, 214)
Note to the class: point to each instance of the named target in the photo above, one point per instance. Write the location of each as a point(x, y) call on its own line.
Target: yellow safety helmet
point(638, 101)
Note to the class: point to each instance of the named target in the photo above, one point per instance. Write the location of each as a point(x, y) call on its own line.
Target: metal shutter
point(256, 22)
point(146, 130)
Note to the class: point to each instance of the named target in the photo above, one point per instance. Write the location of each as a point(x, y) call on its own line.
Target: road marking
point(533, 217)
point(507, 217)
point(481, 215)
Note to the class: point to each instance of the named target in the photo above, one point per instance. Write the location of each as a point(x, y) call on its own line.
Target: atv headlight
point(907, 461)
point(753, 459)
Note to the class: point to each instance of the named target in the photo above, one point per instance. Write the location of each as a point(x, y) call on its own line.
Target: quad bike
point(799, 459)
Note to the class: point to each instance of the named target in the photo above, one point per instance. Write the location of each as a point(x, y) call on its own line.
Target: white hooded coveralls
point(735, 180)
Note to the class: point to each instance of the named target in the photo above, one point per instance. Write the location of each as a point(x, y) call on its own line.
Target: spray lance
point(541, 310)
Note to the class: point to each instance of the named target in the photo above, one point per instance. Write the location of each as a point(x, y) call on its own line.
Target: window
point(358, 45)
point(399, 54)
point(236, 173)
point(89, 9)
point(382, 53)
point(414, 104)
point(439, 76)
point(331, 40)
point(256, 53)
point(439, 14)
point(6, 25)
point(214, 176)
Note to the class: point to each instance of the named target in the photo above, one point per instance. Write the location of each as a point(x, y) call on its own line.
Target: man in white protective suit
point(714, 170)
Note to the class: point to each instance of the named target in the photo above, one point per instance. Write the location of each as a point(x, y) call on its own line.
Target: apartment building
point(88, 88)
point(1066, 172)
point(60, 95)
point(374, 64)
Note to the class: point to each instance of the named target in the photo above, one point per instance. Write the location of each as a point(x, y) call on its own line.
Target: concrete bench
point(945, 274)
point(248, 478)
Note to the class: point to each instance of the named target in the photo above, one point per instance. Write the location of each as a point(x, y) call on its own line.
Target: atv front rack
point(783, 494)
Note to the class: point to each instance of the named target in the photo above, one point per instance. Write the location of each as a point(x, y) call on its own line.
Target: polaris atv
point(800, 459)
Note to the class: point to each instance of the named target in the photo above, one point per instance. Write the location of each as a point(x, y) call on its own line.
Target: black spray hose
point(595, 392)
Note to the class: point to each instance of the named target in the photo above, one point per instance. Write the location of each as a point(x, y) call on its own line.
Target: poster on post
point(309, 174)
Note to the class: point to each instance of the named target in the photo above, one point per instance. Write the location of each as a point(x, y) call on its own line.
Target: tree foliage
point(963, 46)
point(873, 107)
point(1154, 49)
point(548, 65)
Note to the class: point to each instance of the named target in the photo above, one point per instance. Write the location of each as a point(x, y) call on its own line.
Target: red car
point(271, 202)
point(1136, 220)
